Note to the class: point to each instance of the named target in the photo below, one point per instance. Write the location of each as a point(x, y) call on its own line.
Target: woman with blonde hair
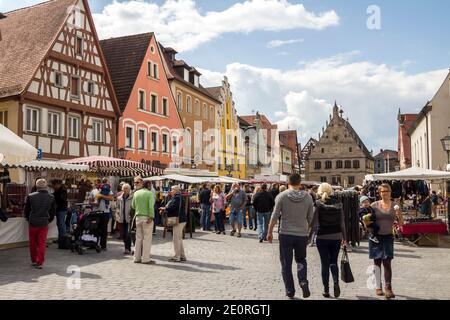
point(329, 224)
point(386, 213)
point(218, 208)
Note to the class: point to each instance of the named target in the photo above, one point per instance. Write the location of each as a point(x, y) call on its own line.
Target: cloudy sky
point(291, 59)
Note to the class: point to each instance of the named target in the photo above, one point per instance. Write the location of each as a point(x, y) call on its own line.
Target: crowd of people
point(304, 216)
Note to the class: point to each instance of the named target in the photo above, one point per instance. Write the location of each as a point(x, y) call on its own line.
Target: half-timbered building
point(55, 89)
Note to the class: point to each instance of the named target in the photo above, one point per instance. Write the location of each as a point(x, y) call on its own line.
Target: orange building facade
point(150, 128)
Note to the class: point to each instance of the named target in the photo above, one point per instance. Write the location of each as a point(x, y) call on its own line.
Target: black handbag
point(3, 216)
point(346, 271)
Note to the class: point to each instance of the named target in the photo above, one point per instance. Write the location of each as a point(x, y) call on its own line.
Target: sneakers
point(174, 260)
point(232, 232)
point(337, 291)
point(137, 261)
point(223, 232)
point(305, 289)
point(374, 239)
point(261, 240)
point(149, 262)
point(38, 266)
point(326, 294)
point(251, 228)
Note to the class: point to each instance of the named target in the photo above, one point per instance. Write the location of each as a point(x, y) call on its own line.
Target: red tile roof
point(27, 35)
point(124, 57)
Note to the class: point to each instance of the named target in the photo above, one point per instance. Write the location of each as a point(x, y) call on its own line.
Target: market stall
point(408, 185)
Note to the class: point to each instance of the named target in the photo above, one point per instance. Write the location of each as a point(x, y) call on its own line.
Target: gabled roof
point(124, 57)
point(243, 122)
point(216, 92)
point(172, 74)
point(27, 35)
point(358, 140)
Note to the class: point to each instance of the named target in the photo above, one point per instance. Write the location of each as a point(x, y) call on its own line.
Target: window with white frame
point(165, 107)
point(174, 144)
point(188, 104)
point(74, 127)
point(91, 88)
point(141, 99)
point(58, 79)
point(179, 101)
point(97, 128)
point(154, 141)
point(33, 120)
point(165, 143)
point(196, 81)
point(141, 138)
point(129, 137)
point(186, 75)
point(155, 71)
point(149, 68)
point(153, 102)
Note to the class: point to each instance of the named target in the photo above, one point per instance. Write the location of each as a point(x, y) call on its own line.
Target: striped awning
point(117, 167)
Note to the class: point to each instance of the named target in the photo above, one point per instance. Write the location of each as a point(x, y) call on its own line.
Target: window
point(336, 181)
point(328, 165)
point(165, 147)
point(348, 164)
point(153, 100)
point(154, 141)
point(155, 71)
point(149, 68)
point(75, 87)
point(196, 81)
point(186, 75)
point(91, 88)
point(53, 123)
point(4, 118)
point(74, 127)
point(350, 149)
point(197, 107)
point(211, 113)
point(129, 137)
point(58, 79)
point(97, 127)
point(141, 139)
point(142, 99)
point(79, 46)
point(205, 112)
point(339, 164)
point(356, 164)
point(165, 109)
point(317, 165)
point(179, 101)
point(33, 120)
point(323, 150)
point(323, 179)
point(351, 180)
point(188, 104)
point(174, 145)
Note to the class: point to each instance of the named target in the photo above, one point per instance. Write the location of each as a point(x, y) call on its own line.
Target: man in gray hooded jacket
point(295, 207)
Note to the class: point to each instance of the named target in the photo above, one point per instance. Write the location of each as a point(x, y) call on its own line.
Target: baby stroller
point(86, 234)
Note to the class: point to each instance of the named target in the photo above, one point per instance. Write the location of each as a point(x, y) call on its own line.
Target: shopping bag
point(346, 271)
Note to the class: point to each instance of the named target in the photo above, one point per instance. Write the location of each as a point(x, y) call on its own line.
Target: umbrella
point(13, 149)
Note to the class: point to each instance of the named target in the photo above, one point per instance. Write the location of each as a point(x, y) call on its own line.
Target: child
point(105, 189)
point(366, 214)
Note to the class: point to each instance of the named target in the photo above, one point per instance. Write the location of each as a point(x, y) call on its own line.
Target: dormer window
point(196, 81)
point(186, 75)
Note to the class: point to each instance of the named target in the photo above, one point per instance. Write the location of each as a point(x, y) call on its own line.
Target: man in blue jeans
point(295, 207)
point(263, 203)
point(60, 194)
point(205, 205)
point(237, 200)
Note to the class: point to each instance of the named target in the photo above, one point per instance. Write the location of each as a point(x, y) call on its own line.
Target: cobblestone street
point(218, 267)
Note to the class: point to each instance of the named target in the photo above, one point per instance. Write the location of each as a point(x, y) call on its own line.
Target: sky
point(292, 59)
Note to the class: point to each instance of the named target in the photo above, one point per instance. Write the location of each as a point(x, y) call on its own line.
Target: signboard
point(39, 154)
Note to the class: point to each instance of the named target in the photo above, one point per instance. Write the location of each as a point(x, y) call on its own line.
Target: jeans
point(236, 215)
point(293, 246)
point(104, 220)
point(206, 216)
point(329, 253)
point(263, 224)
point(250, 211)
point(61, 223)
point(126, 236)
point(220, 226)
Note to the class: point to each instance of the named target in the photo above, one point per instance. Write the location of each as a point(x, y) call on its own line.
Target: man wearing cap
point(144, 205)
point(40, 210)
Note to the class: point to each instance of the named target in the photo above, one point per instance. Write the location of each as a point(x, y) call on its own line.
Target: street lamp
point(229, 168)
point(446, 145)
point(122, 153)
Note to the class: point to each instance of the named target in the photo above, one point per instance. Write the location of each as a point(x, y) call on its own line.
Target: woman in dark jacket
point(330, 225)
point(176, 208)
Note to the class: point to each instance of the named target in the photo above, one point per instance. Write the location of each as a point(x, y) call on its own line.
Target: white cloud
point(182, 25)
point(279, 43)
point(370, 95)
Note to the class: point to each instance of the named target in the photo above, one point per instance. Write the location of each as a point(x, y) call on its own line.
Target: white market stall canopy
point(413, 173)
point(184, 179)
point(13, 149)
point(52, 165)
point(195, 180)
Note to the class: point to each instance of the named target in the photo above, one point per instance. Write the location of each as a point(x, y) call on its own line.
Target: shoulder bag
point(346, 271)
point(174, 221)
